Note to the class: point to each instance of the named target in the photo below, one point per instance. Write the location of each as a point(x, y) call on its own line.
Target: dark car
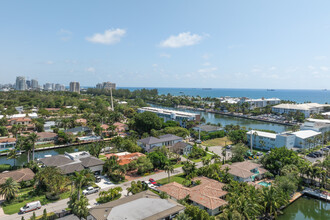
point(97, 179)
point(317, 153)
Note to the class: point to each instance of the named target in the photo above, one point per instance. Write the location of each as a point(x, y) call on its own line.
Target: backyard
point(217, 142)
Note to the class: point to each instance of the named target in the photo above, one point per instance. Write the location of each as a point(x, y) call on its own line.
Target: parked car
point(259, 154)
point(198, 141)
point(148, 183)
point(312, 155)
point(228, 147)
point(317, 153)
point(31, 206)
point(90, 190)
point(152, 181)
point(97, 179)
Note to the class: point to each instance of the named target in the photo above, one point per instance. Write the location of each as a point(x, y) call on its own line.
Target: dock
point(316, 194)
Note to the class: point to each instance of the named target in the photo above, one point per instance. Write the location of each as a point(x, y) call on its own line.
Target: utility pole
point(111, 99)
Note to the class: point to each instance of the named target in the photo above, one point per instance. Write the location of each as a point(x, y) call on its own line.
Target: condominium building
point(28, 84)
point(260, 103)
point(172, 115)
point(34, 84)
point(267, 140)
point(48, 87)
point(106, 85)
point(75, 87)
point(20, 83)
point(59, 87)
point(307, 108)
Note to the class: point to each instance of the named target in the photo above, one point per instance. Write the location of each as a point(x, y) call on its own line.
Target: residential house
point(46, 137)
point(181, 148)
point(165, 140)
point(208, 195)
point(20, 175)
point(126, 157)
point(144, 205)
point(245, 171)
point(24, 121)
point(120, 127)
point(81, 129)
point(7, 143)
point(72, 162)
point(81, 121)
point(48, 126)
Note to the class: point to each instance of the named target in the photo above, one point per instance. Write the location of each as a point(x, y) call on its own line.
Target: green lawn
point(217, 142)
point(177, 165)
point(177, 178)
point(15, 206)
point(208, 156)
point(102, 157)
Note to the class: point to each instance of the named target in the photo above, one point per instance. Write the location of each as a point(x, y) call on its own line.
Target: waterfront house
point(126, 157)
point(208, 195)
point(72, 162)
point(81, 129)
point(207, 128)
point(46, 137)
point(245, 171)
point(144, 205)
point(165, 140)
point(7, 143)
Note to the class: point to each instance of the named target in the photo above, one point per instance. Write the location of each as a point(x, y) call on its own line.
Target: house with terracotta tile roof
point(125, 157)
point(208, 195)
point(245, 171)
point(81, 121)
point(7, 143)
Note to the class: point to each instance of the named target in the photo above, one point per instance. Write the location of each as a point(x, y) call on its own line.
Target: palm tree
point(9, 189)
point(82, 178)
point(169, 169)
point(272, 200)
point(33, 137)
point(78, 206)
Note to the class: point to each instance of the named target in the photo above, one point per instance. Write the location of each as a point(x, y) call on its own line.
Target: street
point(62, 204)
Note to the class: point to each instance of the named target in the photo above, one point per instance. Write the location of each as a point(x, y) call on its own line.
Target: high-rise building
point(48, 87)
point(28, 84)
point(59, 87)
point(75, 87)
point(34, 84)
point(20, 83)
point(106, 85)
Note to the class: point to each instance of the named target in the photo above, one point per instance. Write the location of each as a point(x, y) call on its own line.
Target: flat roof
point(304, 106)
point(169, 111)
point(303, 134)
point(262, 134)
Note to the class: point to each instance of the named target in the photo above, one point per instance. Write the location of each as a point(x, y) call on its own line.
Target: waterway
point(226, 120)
point(306, 208)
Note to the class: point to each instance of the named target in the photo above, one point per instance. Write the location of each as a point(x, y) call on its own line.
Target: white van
point(31, 206)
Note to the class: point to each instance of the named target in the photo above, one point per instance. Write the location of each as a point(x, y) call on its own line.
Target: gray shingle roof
point(71, 168)
point(161, 139)
point(55, 161)
point(78, 129)
point(91, 161)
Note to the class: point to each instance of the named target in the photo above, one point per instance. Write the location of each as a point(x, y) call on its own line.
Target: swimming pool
point(265, 184)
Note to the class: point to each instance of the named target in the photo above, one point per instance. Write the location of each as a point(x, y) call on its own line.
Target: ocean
point(299, 96)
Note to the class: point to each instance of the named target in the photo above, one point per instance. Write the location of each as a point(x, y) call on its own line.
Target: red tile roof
point(126, 159)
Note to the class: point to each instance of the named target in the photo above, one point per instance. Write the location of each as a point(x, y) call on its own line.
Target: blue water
point(299, 96)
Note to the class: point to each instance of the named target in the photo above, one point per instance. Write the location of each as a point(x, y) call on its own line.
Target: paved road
point(62, 204)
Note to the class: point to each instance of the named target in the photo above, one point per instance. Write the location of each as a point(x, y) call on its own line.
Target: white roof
point(306, 134)
point(259, 100)
point(169, 111)
point(263, 134)
point(326, 113)
point(31, 115)
point(305, 106)
point(326, 121)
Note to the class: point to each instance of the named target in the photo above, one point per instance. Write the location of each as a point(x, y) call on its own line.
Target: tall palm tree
point(82, 178)
point(33, 137)
point(169, 169)
point(9, 189)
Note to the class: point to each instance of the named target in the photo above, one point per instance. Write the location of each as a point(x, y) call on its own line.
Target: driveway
point(218, 150)
point(105, 183)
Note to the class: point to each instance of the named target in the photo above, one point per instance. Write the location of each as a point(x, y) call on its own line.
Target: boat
point(270, 90)
point(206, 88)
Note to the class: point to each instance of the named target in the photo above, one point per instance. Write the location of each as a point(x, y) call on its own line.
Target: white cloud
point(206, 56)
point(166, 55)
point(324, 68)
point(181, 40)
point(272, 68)
point(206, 64)
point(49, 62)
point(111, 36)
point(90, 69)
point(207, 70)
point(65, 35)
point(311, 67)
point(155, 65)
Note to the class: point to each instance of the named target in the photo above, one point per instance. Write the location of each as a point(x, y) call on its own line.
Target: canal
point(306, 208)
point(226, 120)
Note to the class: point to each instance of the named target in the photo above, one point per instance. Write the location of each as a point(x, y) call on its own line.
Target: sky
point(276, 44)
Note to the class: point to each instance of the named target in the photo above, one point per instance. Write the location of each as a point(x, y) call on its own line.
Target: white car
point(90, 190)
point(150, 185)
